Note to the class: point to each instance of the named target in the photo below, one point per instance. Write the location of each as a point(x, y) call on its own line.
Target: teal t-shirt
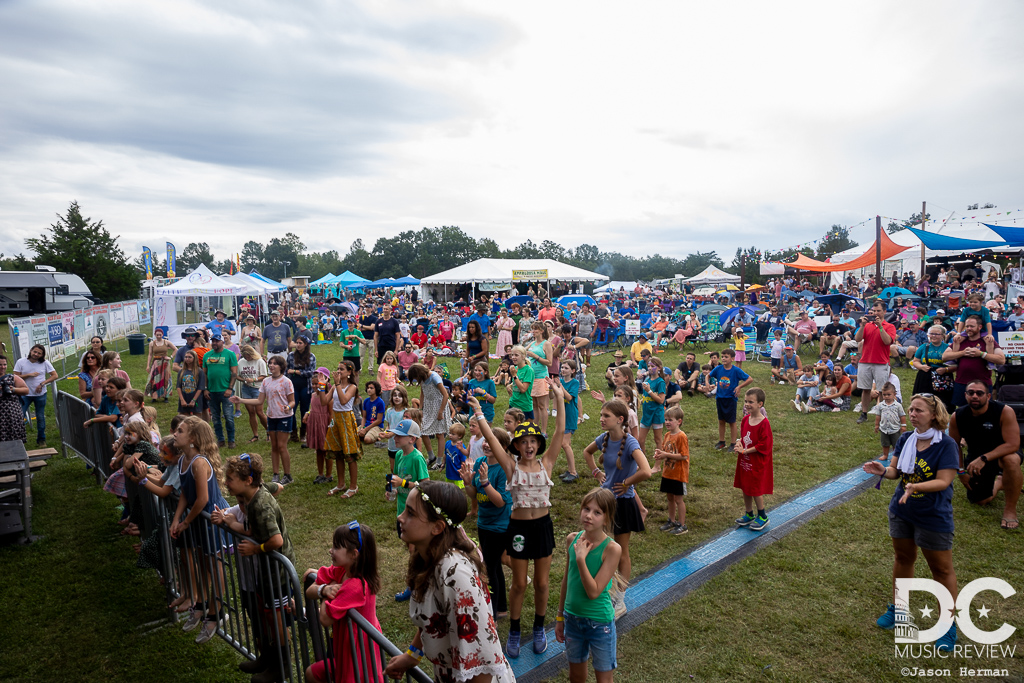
point(412, 468)
point(488, 386)
point(653, 412)
point(572, 404)
point(522, 399)
point(218, 369)
point(489, 516)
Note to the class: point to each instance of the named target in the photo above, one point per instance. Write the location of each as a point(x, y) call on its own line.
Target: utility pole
point(924, 209)
point(743, 274)
point(878, 253)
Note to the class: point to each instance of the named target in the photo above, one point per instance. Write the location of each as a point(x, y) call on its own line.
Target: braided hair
point(619, 410)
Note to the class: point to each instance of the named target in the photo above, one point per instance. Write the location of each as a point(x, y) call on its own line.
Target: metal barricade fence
point(257, 602)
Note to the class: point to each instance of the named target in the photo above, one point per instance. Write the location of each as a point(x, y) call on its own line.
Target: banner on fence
point(116, 321)
point(143, 306)
point(65, 334)
point(68, 325)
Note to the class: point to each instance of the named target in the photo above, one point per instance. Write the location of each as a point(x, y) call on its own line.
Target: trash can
point(137, 344)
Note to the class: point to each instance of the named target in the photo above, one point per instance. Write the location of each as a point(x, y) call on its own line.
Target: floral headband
point(440, 513)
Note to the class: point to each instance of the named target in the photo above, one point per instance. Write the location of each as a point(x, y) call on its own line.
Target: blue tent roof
point(379, 284)
point(578, 299)
point(939, 242)
point(521, 299)
point(890, 292)
point(266, 279)
point(407, 280)
point(1014, 236)
point(732, 312)
point(839, 300)
point(349, 280)
point(324, 280)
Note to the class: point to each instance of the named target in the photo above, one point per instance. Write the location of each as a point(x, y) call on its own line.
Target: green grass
point(78, 591)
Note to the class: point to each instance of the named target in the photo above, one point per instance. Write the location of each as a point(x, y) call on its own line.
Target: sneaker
point(540, 640)
point(238, 414)
point(569, 477)
point(221, 444)
point(195, 617)
point(277, 478)
point(759, 523)
point(319, 479)
point(287, 479)
point(862, 419)
point(619, 603)
point(208, 631)
point(404, 595)
point(888, 620)
point(231, 444)
point(796, 404)
point(720, 445)
point(746, 519)
point(731, 448)
point(433, 459)
point(668, 526)
point(512, 645)
point(436, 464)
point(856, 408)
point(680, 530)
point(946, 642)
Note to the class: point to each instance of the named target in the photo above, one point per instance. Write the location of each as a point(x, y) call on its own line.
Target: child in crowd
point(823, 366)
point(487, 487)
point(623, 465)
point(707, 385)
point(278, 393)
point(343, 442)
point(512, 418)
point(531, 531)
point(806, 387)
point(975, 306)
point(571, 390)
point(652, 403)
point(458, 398)
point(624, 394)
point(455, 453)
point(675, 454)
point(521, 383)
point(503, 375)
point(890, 419)
point(731, 380)
point(777, 346)
point(387, 375)
point(394, 414)
point(191, 385)
point(373, 413)
point(317, 422)
point(410, 469)
point(350, 582)
point(739, 339)
point(754, 469)
point(149, 415)
point(264, 523)
point(586, 616)
point(789, 366)
point(484, 389)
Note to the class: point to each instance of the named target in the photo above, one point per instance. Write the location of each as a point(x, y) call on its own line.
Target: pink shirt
point(387, 375)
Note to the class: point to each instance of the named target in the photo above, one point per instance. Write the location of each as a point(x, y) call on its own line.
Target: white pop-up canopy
point(496, 270)
point(202, 282)
point(616, 285)
point(712, 275)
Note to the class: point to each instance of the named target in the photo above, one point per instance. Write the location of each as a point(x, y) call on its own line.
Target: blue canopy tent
point(578, 299)
point(733, 312)
point(381, 283)
point(1014, 236)
point(407, 281)
point(275, 283)
point(322, 281)
point(938, 242)
point(890, 292)
point(521, 299)
point(790, 294)
point(349, 280)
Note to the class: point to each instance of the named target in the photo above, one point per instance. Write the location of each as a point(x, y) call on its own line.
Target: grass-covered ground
point(802, 609)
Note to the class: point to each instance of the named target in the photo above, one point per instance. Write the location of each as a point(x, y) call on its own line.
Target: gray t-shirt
point(586, 323)
point(25, 366)
point(277, 338)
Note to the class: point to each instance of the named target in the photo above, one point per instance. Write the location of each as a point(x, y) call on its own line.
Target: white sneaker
point(585, 417)
point(796, 404)
point(618, 603)
point(856, 408)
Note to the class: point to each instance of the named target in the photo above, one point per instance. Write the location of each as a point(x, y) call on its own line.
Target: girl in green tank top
point(592, 558)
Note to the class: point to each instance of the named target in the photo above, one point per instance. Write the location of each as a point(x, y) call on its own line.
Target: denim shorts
point(586, 636)
point(250, 392)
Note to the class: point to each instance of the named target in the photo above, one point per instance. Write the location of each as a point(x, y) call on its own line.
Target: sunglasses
point(975, 393)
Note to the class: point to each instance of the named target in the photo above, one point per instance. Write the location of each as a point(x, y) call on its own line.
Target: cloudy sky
point(639, 127)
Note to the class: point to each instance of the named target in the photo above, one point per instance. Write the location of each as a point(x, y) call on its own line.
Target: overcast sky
point(639, 127)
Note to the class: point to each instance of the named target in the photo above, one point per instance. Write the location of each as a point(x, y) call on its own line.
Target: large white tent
point(712, 275)
point(202, 282)
point(497, 270)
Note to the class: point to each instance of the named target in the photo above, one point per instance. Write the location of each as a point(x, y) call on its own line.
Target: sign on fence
point(64, 334)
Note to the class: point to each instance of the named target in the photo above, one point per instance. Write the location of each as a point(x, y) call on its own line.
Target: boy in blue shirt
point(731, 380)
point(455, 453)
point(373, 413)
point(975, 306)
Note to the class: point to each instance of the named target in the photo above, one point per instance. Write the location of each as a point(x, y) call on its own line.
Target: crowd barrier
point(259, 600)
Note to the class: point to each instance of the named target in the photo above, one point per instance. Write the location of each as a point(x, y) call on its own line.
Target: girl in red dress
point(754, 475)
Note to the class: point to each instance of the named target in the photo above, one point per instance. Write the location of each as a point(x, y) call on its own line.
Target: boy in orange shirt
point(675, 473)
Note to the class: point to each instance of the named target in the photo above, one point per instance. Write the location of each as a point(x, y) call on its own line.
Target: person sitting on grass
point(754, 468)
point(707, 385)
point(373, 413)
point(921, 508)
point(835, 397)
point(731, 380)
point(806, 387)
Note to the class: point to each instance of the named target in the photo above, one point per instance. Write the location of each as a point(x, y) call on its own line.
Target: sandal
point(1009, 524)
point(336, 489)
point(254, 439)
point(350, 492)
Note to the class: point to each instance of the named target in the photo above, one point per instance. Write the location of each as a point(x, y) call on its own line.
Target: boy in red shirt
point(754, 474)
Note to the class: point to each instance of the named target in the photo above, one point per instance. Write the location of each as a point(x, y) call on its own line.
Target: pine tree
point(85, 248)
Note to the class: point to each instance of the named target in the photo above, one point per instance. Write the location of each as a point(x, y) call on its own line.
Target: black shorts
point(776, 362)
point(981, 485)
point(673, 486)
point(531, 539)
point(627, 516)
point(357, 361)
point(726, 410)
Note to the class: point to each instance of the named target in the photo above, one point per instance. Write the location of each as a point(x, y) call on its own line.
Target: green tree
point(18, 262)
point(192, 256)
point(914, 220)
point(837, 239)
point(81, 246)
point(695, 263)
point(252, 256)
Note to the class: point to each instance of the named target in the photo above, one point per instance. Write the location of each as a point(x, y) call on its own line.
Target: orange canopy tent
point(889, 249)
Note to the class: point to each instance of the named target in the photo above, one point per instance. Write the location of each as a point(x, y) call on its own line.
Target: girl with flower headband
point(450, 605)
point(531, 534)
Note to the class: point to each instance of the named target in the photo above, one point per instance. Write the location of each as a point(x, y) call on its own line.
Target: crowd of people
point(392, 392)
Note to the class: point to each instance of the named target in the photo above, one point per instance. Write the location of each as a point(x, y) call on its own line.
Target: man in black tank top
point(993, 450)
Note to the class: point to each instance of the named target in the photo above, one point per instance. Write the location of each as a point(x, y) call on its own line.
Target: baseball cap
point(216, 336)
point(940, 312)
point(787, 348)
point(406, 428)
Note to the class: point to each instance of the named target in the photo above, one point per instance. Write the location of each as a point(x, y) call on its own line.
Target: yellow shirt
point(637, 347)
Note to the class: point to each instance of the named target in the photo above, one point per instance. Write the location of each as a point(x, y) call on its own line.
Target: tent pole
point(878, 252)
point(924, 208)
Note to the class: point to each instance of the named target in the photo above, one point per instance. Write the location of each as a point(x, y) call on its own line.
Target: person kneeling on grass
point(921, 508)
point(586, 617)
point(754, 468)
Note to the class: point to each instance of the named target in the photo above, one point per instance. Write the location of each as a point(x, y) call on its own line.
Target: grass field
point(802, 609)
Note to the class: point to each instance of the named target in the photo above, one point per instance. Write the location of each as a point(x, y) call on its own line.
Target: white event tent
point(497, 273)
point(712, 275)
point(201, 282)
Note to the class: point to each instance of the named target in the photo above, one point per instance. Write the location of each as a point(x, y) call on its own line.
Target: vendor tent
point(407, 281)
point(277, 285)
point(202, 282)
point(252, 287)
point(615, 286)
point(322, 281)
point(381, 283)
point(712, 275)
point(349, 280)
point(493, 270)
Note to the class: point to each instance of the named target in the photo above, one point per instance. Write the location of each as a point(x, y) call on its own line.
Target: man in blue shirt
point(731, 380)
point(481, 317)
point(220, 322)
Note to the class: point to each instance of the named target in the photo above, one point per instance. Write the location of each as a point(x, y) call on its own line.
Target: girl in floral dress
point(504, 325)
point(450, 604)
